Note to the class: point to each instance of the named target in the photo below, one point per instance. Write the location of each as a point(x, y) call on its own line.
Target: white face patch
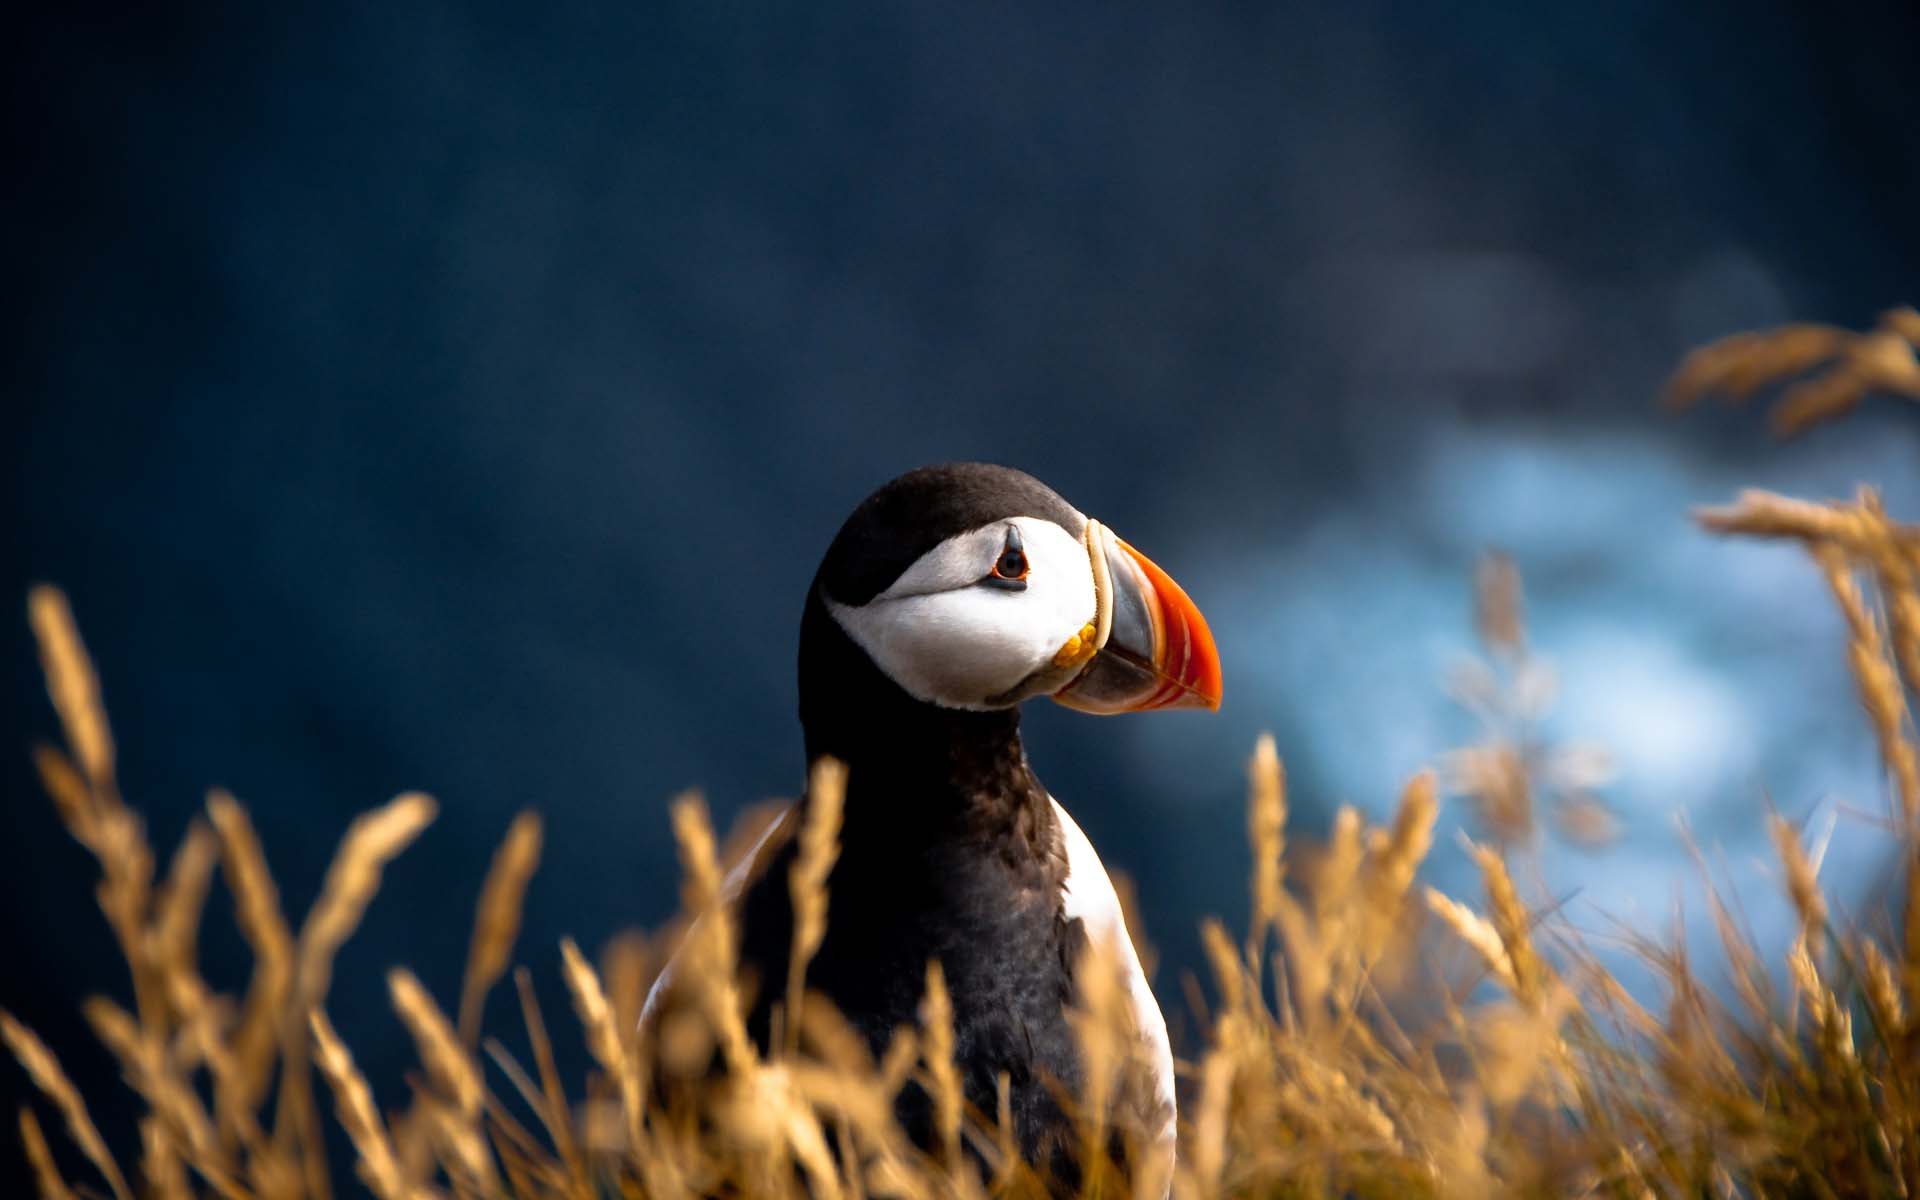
point(948, 639)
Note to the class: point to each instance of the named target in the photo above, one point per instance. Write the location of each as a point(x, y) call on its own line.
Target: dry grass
point(1349, 1047)
point(1515, 773)
point(1835, 368)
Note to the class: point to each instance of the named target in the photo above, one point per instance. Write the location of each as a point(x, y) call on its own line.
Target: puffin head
point(974, 587)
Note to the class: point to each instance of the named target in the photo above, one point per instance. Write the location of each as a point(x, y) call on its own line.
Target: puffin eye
point(1010, 569)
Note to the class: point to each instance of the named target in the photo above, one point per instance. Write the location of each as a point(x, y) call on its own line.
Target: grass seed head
point(46, 1175)
point(1803, 888)
point(807, 879)
point(1266, 833)
point(45, 1071)
point(378, 1166)
point(448, 1065)
point(372, 841)
point(72, 684)
point(937, 1047)
point(496, 921)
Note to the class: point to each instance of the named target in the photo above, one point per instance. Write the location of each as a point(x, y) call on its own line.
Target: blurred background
point(459, 398)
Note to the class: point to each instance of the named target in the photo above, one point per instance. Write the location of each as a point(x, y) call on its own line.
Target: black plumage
point(950, 847)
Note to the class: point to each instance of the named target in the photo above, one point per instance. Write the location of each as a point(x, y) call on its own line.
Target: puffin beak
point(1155, 650)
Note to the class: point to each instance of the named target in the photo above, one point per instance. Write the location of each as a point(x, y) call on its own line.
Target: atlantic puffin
point(948, 598)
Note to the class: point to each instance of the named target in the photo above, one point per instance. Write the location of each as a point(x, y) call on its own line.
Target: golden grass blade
point(521, 1157)
point(182, 899)
point(86, 798)
point(1803, 888)
point(72, 684)
point(610, 1047)
point(378, 1166)
point(160, 1166)
point(936, 1040)
point(414, 1148)
point(372, 841)
point(168, 1095)
point(113, 834)
point(1496, 778)
point(774, 1127)
point(1900, 592)
point(807, 1141)
point(1910, 918)
point(1851, 365)
point(1339, 867)
point(1839, 536)
point(627, 970)
point(1756, 513)
point(523, 1177)
point(708, 954)
point(46, 1176)
point(1498, 607)
point(553, 1113)
point(501, 1125)
point(1904, 321)
point(1477, 932)
point(1823, 398)
point(462, 1148)
point(448, 1065)
point(1266, 833)
point(1897, 574)
point(807, 880)
point(44, 1069)
point(124, 895)
point(1510, 919)
point(1229, 969)
point(1882, 988)
point(1203, 1164)
point(72, 798)
point(1742, 363)
point(1006, 1136)
point(518, 1077)
point(496, 923)
point(1393, 856)
point(1879, 685)
point(848, 1160)
point(700, 885)
point(256, 907)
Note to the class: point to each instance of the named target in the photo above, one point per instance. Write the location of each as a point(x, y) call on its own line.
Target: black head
point(960, 590)
point(898, 524)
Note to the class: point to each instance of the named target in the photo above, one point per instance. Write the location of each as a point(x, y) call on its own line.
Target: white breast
point(1090, 896)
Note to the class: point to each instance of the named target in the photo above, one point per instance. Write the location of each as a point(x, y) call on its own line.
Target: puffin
point(950, 597)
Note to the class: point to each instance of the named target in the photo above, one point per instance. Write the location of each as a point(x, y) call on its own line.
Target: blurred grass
point(1362, 1037)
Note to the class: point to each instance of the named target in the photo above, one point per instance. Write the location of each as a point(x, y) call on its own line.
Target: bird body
point(948, 597)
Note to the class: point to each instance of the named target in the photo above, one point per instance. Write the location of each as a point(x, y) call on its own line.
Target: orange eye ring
point(1009, 571)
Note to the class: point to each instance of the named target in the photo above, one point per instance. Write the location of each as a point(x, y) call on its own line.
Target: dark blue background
point(416, 396)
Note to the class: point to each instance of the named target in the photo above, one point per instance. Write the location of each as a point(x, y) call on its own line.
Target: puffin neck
point(916, 772)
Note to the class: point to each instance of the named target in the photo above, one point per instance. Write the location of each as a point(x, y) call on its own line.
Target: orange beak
point(1155, 650)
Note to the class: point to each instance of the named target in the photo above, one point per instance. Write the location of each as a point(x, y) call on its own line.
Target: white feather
point(1089, 895)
